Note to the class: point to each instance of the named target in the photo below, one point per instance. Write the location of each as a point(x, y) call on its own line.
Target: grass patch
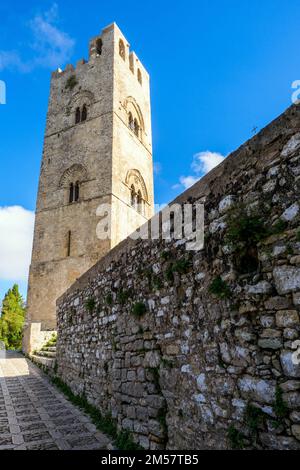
point(106, 424)
point(219, 288)
point(169, 273)
point(243, 228)
point(254, 418)
point(181, 267)
point(139, 309)
point(109, 299)
point(278, 227)
point(123, 296)
point(166, 255)
point(71, 82)
point(52, 341)
point(280, 407)
point(298, 236)
point(90, 304)
point(235, 438)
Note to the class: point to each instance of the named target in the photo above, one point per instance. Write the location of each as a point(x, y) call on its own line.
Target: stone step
point(44, 361)
point(46, 354)
point(49, 348)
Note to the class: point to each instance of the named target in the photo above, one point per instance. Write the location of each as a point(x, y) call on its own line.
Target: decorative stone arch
point(82, 99)
point(131, 106)
point(76, 172)
point(135, 179)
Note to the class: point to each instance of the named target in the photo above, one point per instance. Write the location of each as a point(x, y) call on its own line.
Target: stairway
point(47, 355)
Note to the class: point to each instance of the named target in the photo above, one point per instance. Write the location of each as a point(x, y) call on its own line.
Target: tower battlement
point(98, 48)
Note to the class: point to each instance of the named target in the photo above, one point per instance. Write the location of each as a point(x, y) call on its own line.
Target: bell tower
point(97, 150)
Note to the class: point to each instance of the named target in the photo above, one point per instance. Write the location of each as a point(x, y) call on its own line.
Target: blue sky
point(218, 69)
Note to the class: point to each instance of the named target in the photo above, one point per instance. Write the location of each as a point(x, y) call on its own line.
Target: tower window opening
point(84, 113)
point(69, 240)
point(99, 45)
point(77, 116)
point(133, 196)
point(71, 193)
point(139, 202)
point(139, 76)
point(122, 49)
point(130, 121)
point(76, 192)
point(136, 128)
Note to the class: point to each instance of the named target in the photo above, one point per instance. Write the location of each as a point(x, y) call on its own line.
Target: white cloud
point(16, 234)
point(203, 163)
point(50, 47)
point(157, 168)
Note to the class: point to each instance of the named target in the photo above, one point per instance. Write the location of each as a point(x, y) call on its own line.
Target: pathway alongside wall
point(35, 416)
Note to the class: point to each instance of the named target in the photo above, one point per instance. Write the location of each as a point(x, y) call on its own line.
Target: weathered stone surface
point(291, 212)
point(296, 431)
point(277, 303)
point(295, 417)
point(270, 343)
point(290, 386)
point(287, 279)
point(289, 368)
point(263, 287)
point(292, 145)
point(226, 204)
point(257, 389)
point(202, 351)
point(279, 442)
point(287, 318)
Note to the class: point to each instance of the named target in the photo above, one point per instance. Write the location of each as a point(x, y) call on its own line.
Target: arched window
point(139, 75)
point(136, 128)
point(130, 121)
point(137, 190)
point(77, 116)
point(133, 196)
point(84, 113)
point(122, 49)
point(76, 191)
point(71, 194)
point(99, 45)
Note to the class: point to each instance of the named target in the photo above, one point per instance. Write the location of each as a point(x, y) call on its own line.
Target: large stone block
point(287, 279)
point(257, 389)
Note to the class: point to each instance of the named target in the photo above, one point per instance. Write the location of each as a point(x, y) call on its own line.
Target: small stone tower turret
point(97, 150)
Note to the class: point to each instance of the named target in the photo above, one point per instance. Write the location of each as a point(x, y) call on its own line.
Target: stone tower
point(97, 150)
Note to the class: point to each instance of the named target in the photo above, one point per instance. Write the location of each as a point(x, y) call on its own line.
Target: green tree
point(12, 319)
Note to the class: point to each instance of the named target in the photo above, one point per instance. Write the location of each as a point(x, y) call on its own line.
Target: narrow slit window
point(71, 193)
point(69, 240)
point(84, 113)
point(77, 116)
point(76, 192)
point(99, 45)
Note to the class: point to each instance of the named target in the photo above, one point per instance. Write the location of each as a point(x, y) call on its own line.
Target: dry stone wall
point(195, 350)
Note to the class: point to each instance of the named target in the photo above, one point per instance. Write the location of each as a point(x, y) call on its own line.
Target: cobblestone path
point(34, 415)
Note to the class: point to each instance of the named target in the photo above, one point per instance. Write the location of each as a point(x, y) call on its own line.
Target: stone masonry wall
point(193, 350)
